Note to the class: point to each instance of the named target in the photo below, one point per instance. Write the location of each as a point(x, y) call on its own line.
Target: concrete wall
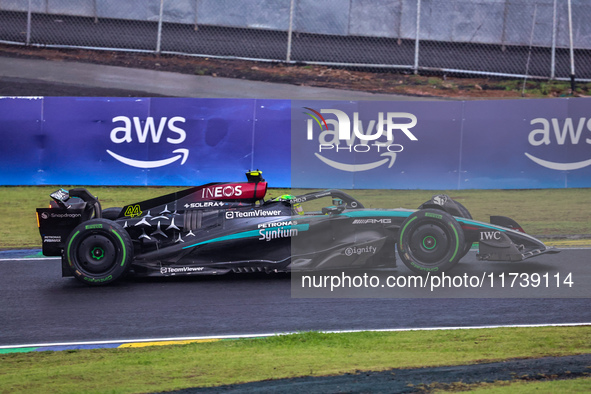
point(506, 22)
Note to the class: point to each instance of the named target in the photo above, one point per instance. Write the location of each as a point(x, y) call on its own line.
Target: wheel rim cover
point(97, 254)
point(429, 243)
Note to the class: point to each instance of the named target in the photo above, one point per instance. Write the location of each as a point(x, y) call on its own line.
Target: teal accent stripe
point(479, 224)
point(366, 213)
point(246, 234)
point(250, 234)
point(405, 214)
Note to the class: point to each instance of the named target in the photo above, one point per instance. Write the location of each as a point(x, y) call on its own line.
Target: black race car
point(228, 227)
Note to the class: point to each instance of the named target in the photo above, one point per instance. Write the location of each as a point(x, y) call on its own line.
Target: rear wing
point(68, 209)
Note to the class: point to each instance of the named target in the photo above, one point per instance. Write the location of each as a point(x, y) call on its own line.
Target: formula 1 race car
point(228, 227)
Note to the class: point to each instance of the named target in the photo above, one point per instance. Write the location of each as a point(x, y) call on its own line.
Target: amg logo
point(372, 221)
point(487, 235)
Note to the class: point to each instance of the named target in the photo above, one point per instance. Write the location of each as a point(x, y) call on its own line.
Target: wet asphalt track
point(38, 306)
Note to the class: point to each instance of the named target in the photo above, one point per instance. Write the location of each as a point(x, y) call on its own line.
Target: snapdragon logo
point(126, 131)
point(362, 139)
point(551, 131)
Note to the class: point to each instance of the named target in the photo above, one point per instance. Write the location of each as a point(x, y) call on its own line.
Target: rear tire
point(98, 252)
point(430, 240)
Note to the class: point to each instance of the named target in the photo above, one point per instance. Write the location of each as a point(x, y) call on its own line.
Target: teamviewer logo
point(229, 215)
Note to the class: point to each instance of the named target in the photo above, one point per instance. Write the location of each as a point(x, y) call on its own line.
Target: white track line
point(31, 259)
point(241, 336)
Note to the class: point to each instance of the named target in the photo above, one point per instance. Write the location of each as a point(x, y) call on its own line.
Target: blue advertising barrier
point(142, 141)
point(509, 144)
point(309, 144)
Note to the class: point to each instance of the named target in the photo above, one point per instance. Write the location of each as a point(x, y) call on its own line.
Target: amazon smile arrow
point(183, 153)
point(559, 166)
point(359, 167)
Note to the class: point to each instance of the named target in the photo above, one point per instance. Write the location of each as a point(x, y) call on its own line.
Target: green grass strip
point(543, 211)
point(160, 368)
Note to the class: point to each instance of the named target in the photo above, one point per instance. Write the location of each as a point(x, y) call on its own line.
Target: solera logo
point(544, 136)
point(343, 137)
point(125, 134)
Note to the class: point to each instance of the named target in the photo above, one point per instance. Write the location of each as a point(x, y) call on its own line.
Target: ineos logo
point(221, 191)
point(126, 132)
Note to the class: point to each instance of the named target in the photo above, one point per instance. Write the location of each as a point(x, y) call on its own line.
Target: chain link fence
point(547, 39)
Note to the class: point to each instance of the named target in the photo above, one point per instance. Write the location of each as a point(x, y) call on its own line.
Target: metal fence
point(547, 39)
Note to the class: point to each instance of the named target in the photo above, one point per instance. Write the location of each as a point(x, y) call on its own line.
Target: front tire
point(99, 252)
point(430, 240)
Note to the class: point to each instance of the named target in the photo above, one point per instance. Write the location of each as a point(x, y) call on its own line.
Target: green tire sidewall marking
point(69, 246)
point(403, 229)
point(122, 246)
point(429, 236)
point(457, 241)
point(433, 215)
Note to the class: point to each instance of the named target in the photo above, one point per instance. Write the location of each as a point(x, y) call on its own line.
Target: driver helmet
point(296, 207)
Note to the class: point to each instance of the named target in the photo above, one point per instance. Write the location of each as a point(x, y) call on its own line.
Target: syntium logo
point(553, 131)
point(161, 131)
point(358, 138)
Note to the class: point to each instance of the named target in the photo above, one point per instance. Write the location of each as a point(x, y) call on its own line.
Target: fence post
point(399, 41)
point(196, 27)
point(416, 65)
point(28, 39)
point(159, 37)
point(553, 60)
point(572, 49)
point(504, 28)
point(290, 31)
point(531, 43)
point(95, 10)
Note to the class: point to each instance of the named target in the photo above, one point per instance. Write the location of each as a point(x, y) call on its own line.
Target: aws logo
point(359, 139)
point(165, 130)
point(552, 130)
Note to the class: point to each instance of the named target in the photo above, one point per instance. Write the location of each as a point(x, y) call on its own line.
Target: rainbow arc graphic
point(316, 117)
